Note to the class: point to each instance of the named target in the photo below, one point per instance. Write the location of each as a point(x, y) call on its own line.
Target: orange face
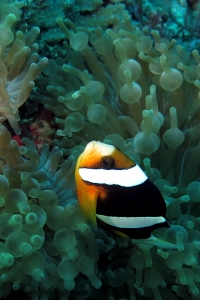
point(96, 151)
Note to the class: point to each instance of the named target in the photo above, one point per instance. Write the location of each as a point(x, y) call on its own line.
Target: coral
point(99, 13)
point(42, 130)
point(174, 19)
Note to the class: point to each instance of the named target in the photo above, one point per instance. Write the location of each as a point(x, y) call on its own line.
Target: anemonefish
point(114, 192)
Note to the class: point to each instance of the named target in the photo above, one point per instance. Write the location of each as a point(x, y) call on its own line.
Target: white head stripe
point(125, 177)
point(131, 222)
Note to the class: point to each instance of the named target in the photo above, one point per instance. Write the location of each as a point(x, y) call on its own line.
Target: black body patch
point(144, 200)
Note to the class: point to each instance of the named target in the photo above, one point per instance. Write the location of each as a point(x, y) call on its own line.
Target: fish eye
point(107, 163)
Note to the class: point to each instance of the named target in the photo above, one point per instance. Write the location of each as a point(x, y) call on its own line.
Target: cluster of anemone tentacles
point(140, 92)
point(126, 87)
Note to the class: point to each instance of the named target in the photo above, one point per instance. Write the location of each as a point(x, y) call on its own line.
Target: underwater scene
point(100, 149)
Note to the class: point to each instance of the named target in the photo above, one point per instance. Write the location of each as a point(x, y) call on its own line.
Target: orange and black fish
point(114, 192)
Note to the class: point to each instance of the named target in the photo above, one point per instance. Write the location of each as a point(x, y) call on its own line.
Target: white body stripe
point(125, 177)
point(131, 222)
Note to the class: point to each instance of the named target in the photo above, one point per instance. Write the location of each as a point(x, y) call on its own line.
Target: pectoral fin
point(88, 204)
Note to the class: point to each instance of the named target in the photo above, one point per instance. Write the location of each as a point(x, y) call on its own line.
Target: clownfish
point(115, 193)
